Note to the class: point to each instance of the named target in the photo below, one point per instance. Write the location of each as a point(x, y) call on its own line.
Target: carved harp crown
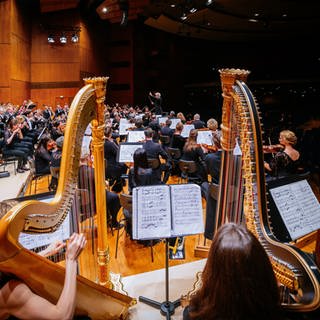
point(41, 275)
point(296, 271)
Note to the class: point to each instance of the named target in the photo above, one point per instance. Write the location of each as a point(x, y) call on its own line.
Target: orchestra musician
point(14, 147)
point(286, 161)
point(42, 156)
point(238, 281)
point(192, 151)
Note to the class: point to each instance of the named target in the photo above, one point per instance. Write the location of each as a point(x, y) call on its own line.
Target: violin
point(273, 148)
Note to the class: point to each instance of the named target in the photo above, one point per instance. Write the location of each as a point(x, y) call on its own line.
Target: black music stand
point(167, 307)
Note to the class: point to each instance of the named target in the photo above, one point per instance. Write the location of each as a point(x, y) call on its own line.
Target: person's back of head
point(179, 126)
point(168, 122)
point(196, 116)
point(238, 279)
point(212, 124)
point(148, 133)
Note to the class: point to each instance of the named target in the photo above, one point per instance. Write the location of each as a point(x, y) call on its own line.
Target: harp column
point(103, 253)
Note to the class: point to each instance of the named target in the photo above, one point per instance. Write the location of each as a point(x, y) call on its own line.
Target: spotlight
point(50, 39)
point(63, 39)
point(209, 2)
point(184, 16)
point(75, 38)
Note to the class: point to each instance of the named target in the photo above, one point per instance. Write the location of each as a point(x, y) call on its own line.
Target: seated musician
point(238, 281)
point(114, 169)
point(213, 159)
point(286, 161)
point(213, 162)
point(140, 175)
point(55, 163)
point(86, 182)
point(155, 151)
point(197, 122)
point(16, 298)
point(42, 156)
point(177, 140)
point(193, 152)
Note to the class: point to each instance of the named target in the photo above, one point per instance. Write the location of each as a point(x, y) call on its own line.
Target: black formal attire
point(114, 169)
point(198, 124)
point(145, 177)
point(42, 161)
point(197, 155)
point(156, 104)
point(88, 208)
point(155, 151)
point(15, 148)
point(283, 166)
point(154, 125)
point(178, 142)
point(213, 162)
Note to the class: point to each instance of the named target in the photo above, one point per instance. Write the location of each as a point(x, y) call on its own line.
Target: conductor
point(156, 101)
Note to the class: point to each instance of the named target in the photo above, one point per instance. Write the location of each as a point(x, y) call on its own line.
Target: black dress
point(282, 165)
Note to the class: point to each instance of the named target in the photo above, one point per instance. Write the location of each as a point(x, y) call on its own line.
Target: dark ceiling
point(229, 20)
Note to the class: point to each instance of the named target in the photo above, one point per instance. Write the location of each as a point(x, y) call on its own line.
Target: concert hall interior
point(115, 111)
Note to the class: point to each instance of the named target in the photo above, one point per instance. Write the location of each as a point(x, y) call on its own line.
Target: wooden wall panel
point(50, 96)
point(5, 21)
point(5, 94)
point(5, 65)
point(20, 90)
point(20, 59)
point(54, 72)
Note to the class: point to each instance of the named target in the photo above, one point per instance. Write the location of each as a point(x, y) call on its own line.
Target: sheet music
point(135, 136)
point(186, 129)
point(162, 120)
point(32, 241)
point(205, 137)
point(123, 126)
point(298, 207)
point(174, 122)
point(186, 206)
point(163, 211)
point(126, 151)
point(151, 212)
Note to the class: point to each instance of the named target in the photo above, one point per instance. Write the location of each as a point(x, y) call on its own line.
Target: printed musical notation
point(32, 241)
point(298, 207)
point(164, 211)
point(126, 151)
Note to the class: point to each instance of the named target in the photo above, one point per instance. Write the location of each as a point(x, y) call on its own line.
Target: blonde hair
point(212, 124)
point(289, 136)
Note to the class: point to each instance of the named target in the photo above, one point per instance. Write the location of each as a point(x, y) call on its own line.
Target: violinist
point(212, 125)
point(43, 156)
point(14, 147)
point(192, 151)
point(286, 161)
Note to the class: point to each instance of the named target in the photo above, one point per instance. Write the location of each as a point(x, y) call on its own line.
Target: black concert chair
point(165, 140)
point(126, 204)
point(188, 168)
point(175, 154)
point(154, 163)
point(35, 177)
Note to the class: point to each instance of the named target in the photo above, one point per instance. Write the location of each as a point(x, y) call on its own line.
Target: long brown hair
point(191, 142)
point(238, 280)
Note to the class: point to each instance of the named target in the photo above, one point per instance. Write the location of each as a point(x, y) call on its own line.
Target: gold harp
point(296, 271)
point(44, 277)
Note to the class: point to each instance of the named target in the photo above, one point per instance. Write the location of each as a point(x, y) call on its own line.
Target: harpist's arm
point(18, 300)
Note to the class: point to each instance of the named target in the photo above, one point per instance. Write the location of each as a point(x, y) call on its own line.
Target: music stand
point(167, 307)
